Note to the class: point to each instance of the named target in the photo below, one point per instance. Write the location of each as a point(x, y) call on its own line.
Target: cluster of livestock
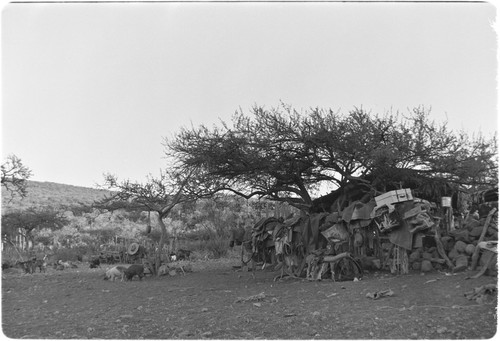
point(142, 264)
point(32, 264)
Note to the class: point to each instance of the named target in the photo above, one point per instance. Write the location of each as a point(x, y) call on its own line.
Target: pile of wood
point(460, 247)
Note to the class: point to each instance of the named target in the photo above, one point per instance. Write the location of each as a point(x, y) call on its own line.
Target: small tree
point(27, 221)
point(15, 176)
point(158, 195)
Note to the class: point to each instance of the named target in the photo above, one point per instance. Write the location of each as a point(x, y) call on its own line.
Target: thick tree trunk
point(28, 237)
point(161, 243)
point(475, 255)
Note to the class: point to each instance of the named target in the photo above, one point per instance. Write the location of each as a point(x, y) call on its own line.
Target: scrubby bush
point(217, 246)
point(66, 254)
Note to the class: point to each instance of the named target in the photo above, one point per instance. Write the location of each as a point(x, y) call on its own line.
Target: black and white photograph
point(242, 170)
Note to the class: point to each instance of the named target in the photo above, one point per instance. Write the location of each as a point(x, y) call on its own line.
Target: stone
point(441, 330)
point(469, 249)
point(447, 242)
point(460, 246)
point(432, 249)
point(206, 334)
point(461, 263)
point(185, 333)
point(426, 255)
point(453, 254)
point(462, 235)
point(476, 231)
point(426, 266)
point(415, 255)
point(471, 223)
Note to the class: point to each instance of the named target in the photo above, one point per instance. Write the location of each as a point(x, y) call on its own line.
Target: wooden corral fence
point(18, 240)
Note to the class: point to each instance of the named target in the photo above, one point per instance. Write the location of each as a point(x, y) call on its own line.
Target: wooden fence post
point(475, 256)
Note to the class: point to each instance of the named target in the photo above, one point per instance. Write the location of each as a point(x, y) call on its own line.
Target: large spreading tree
point(284, 155)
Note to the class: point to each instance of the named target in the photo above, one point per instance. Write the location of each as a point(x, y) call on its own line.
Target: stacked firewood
point(462, 244)
point(460, 247)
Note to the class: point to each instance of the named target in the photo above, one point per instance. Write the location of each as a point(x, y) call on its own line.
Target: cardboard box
point(392, 197)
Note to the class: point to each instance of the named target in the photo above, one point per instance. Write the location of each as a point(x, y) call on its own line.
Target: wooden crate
point(392, 197)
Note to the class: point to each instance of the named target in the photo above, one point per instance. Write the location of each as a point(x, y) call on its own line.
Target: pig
point(134, 270)
point(66, 265)
point(95, 263)
point(114, 272)
point(183, 254)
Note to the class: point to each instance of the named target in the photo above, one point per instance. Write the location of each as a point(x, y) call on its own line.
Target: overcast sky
point(91, 88)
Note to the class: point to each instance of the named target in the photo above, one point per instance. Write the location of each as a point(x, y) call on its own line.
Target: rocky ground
point(217, 302)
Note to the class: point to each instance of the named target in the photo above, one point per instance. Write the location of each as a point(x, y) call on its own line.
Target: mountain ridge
point(53, 194)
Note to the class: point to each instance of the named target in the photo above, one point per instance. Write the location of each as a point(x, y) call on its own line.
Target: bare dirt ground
point(215, 302)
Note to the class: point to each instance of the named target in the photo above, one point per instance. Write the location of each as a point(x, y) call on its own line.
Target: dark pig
point(134, 270)
point(183, 254)
point(95, 263)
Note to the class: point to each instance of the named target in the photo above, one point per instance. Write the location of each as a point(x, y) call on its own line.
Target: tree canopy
point(31, 219)
point(14, 176)
point(285, 155)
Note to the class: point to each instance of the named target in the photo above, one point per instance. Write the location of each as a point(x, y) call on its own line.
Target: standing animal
point(237, 236)
point(134, 270)
point(67, 265)
point(114, 272)
point(183, 254)
point(28, 266)
point(95, 263)
point(41, 264)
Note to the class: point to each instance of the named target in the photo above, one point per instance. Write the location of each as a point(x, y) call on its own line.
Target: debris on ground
point(253, 298)
point(175, 268)
point(481, 294)
point(378, 294)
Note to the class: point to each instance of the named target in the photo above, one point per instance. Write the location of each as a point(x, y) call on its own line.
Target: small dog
point(115, 272)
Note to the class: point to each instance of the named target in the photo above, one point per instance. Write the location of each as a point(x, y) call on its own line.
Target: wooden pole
point(450, 219)
point(440, 248)
point(488, 258)
point(475, 256)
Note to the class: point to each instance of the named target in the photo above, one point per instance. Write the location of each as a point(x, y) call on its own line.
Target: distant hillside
point(51, 194)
